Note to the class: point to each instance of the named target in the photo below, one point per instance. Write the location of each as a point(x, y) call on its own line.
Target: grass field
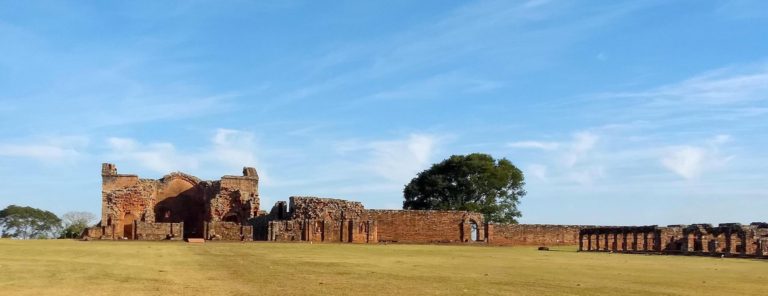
point(149, 268)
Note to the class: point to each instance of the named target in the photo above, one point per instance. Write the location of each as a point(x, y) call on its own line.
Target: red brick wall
point(422, 226)
point(534, 234)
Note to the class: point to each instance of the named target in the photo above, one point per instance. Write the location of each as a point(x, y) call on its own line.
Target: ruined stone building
point(727, 239)
point(182, 206)
point(176, 206)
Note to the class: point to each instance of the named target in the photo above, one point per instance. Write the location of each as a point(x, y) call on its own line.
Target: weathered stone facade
point(175, 206)
point(727, 239)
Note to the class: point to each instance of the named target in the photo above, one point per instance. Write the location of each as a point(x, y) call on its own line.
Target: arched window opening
point(473, 230)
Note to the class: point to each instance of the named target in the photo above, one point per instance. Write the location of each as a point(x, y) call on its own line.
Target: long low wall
point(158, 231)
point(426, 226)
point(534, 234)
point(220, 230)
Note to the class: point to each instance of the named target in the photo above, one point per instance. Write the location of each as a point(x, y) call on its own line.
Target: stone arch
point(180, 199)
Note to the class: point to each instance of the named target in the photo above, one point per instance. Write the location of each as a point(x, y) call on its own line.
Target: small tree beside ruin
point(75, 223)
point(475, 182)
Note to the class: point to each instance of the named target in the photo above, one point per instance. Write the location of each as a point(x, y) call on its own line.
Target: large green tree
point(28, 222)
point(475, 182)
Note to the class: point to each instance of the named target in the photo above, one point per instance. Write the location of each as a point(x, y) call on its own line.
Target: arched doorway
point(473, 234)
point(128, 227)
point(179, 199)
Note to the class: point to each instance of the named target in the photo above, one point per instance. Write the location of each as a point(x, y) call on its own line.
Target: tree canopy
point(475, 182)
point(28, 222)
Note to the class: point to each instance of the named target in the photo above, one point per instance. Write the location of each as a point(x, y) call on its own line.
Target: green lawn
point(148, 268)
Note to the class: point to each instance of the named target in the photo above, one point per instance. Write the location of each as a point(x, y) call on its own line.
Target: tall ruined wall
point(236, 198)
point(126, 198)
point(534, 234)
point(425, 226)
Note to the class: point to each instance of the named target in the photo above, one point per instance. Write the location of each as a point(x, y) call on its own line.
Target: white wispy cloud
point(535, 145)
point(690, 162)
point(47, 148)
point(228, 150)
point(724, 86)
point(400, 160)
point(582, 144)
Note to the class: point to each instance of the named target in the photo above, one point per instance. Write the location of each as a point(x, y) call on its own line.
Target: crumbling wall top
point(310, 207)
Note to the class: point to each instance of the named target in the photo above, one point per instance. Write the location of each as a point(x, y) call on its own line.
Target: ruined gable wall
point(534, 234)
point(423, 226)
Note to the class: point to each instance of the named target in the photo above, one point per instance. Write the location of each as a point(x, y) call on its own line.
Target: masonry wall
point(534, 234)
point(424, 226)
point(218, 230)
point(158, 231)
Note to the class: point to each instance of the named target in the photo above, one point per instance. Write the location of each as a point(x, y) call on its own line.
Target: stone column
point(624, 241)
point(597, 241)
point(645, 241)
point(581, 241)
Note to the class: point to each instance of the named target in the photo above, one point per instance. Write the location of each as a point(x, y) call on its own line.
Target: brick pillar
point(488, 232)
point(634, 241)
point(645, 241)
point(597, 240)
point(589, 241)
point(624, 241)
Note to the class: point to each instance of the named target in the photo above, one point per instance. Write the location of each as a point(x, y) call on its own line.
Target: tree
point(28, 222)
point(474, 182)
point(75, 223)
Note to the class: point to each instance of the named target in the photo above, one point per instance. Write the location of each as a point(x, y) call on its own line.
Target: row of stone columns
point(618, 239)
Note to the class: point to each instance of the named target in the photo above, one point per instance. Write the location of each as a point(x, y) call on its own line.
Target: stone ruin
point(180, 206)
point(726, 240)
point(176, 206)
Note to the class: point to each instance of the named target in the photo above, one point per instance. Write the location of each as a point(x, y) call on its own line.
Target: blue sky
point(618, 112)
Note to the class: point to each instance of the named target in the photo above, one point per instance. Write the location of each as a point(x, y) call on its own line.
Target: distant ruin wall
point(534, 234)
point(426, 226)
